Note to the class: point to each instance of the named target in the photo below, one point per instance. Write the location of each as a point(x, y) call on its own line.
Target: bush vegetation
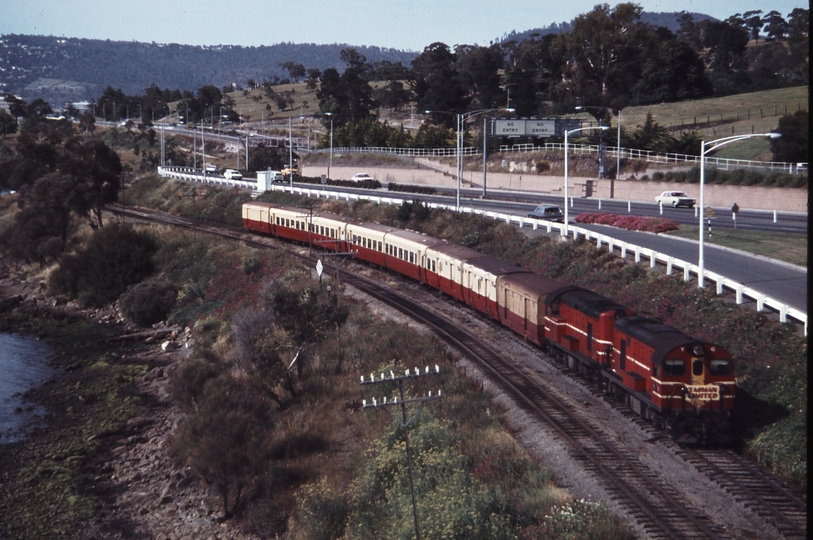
point(148, 302)
point(632, 223)
point(114, 258)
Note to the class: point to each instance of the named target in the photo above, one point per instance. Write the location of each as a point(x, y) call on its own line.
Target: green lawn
point(791, 248)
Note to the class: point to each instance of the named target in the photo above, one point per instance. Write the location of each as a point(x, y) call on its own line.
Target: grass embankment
point(787, 247)
point(755, 112)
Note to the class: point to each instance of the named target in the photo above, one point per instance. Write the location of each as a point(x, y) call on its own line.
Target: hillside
point(71, 69)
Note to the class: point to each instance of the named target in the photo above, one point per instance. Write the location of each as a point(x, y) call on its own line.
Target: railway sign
point(319, 267)
point(709, 212)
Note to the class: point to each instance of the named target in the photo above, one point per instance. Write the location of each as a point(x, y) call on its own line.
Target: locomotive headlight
point(697, 350)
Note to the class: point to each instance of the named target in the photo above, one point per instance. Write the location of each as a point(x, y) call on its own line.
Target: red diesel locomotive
point(681, 384)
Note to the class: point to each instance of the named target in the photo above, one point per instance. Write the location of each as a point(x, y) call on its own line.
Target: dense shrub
point(116, 257)
point(408, 188)
point(631, 223)
point(148, 303)
point(735, 178)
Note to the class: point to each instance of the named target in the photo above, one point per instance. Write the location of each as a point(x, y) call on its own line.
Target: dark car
point(549, 212)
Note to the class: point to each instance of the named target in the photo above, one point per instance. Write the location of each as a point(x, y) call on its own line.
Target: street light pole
point(567, 133)
point(705, 148)
point(601, 145)
point(290, 152)
point(330, 161)
point(617, 158)
point(461, 122)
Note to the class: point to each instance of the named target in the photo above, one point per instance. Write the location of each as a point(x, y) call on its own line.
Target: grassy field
point(791, 248)
point(756, 112)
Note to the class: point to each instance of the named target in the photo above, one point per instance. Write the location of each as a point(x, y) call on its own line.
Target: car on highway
point(675, 198)
point(549, 212)
point(211, 168)
point(361, 177)
point(231, 174)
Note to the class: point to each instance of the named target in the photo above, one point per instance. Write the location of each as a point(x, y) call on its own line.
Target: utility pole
point(404, 421)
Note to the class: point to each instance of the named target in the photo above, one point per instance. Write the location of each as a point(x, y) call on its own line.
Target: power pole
point(404, 421)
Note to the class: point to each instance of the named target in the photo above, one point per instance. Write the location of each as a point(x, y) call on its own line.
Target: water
point(23, 366)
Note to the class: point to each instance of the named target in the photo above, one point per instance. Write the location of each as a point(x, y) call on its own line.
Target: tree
point(479, 72)
point(652, 136)
point(799, 24)
point(16, 106)
point(349, 95)
point(530, 73)
point(792, 146)
point(393, 95)
point(225, 440)
point(39, 108)
point(753, 21)
point(689, 31)
point(775, 25)
point(603, 52)
point(674, 72)
point(296, 71)
point(8, 125)
point(437, 83)
point(312, 82)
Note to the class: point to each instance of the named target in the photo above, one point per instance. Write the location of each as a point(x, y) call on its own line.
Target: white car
point(361, 177)
point(675, 198)
point(231, 174)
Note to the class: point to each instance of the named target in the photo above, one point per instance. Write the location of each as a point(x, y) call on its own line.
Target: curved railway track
point(657, 506)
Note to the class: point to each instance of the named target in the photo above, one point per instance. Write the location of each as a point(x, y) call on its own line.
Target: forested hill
point(70, 69)
point(668, 20)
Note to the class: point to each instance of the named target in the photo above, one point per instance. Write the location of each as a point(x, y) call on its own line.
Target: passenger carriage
point(480, 276)
point(405, 251)
point(368, 240)
point(328, 231)
point(444, 267)
point(521, 303)
point(256, 216)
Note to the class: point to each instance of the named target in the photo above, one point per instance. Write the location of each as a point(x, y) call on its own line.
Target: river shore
point(100, 466)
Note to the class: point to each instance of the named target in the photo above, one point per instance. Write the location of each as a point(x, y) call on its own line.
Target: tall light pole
point(567, 133)
point(290, 152)
point(617, 142)
point(705, 148)
point(330, 162)
point(461, 121)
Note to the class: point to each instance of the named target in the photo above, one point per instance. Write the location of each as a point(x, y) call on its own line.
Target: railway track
point(754, 488)
point(659, 508)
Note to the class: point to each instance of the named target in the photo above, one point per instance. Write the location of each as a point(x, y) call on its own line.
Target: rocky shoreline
point(136, 488)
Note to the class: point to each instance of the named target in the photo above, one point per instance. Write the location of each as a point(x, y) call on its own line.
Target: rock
point(168, 346)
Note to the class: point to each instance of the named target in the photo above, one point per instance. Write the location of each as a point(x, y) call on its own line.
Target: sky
point(410, 25)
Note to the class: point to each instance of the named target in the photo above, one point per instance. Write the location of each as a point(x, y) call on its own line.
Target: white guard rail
point(689, 269)
point(190, 174)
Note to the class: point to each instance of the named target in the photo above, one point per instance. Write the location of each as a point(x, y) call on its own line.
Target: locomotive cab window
point(720, 366)
point(697, 368)
point(674, 367)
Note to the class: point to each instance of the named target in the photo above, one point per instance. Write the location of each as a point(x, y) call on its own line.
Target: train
point(683, 385)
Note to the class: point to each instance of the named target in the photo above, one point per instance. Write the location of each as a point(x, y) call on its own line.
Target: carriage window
point(674, 366)
point(379, 245)
point(720, 366)
point(433, 266)
point(400, 253)
point(411, 257)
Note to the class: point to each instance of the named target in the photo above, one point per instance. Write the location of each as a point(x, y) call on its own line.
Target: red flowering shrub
point(631, 223)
